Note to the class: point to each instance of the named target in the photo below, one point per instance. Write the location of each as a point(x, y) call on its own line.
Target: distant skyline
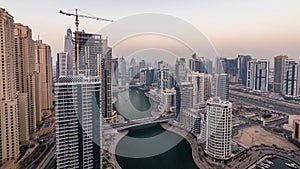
point(262, 29)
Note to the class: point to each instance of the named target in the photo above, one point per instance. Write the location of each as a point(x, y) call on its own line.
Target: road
point(264, 102)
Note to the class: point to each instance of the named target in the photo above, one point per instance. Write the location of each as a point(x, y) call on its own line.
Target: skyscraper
point(44, 68)
point(27, 78)
point(191, 120)
point(61, 65)
point(78, 116)
point(231, 69)
point(208, 64)
point(242, 68)
point(122, 71)
point(279, 62)
point(257, 75)
point(197, 79)
point(184, 97)
point(150, 76)
point(90, 48)
point(168, 100)
point(68, 48)
point(106, 94)
point(220, 66)
point(163, 79)
point(180, 70)
point(290, 78)
point(218, 128)
point(115, 72)
point(222, 86)
point(9, 126)
point(196, 64)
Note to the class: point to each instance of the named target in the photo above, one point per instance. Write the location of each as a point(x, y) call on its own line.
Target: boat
point(269, 162)
point(292, 165)
point(265, 165)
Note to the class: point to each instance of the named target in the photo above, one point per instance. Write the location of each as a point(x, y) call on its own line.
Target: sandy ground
point(256, 135)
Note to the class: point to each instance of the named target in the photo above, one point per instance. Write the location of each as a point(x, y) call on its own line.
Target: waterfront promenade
point(192, 141)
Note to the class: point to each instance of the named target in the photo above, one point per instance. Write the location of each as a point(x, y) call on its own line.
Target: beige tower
point(23, 118)
point(27, 80)
point(9, 143)
point(43, 65)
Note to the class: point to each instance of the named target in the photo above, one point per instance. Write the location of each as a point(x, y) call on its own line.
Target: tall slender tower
point(27, 77)
point(242, 68)
point(257, 75)
point(290, 78)
point(78, 132)
point(279, 62)
point(222, 86)
point(68, 48)
point(218, 128)
point(197, 79)
point(9, 126)
point(44, 68)
point(106, 76)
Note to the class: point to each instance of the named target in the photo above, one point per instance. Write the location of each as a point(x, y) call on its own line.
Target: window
point(297, 131)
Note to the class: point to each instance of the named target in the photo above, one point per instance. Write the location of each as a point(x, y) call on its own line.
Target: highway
point(265, 102)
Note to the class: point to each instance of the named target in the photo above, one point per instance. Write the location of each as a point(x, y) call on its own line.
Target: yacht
point(292, 165)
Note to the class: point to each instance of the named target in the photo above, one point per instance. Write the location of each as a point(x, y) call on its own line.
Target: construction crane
point(77, 29)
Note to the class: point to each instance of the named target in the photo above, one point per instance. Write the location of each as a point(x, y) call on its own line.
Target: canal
point(150, 146)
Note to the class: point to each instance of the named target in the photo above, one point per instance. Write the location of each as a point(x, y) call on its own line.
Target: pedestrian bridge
point(141, 122)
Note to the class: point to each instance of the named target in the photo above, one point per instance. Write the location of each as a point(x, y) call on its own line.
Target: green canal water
point(150, 146)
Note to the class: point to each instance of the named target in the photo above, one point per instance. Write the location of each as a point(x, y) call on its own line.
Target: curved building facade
point(218, 128)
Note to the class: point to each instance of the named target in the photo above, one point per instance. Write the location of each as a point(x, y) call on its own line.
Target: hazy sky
point(263, 28)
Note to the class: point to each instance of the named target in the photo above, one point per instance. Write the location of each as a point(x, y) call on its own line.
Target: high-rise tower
point(9, 126)
point(279, 62)
point(43, 64)
point(218, 128)
point(290, 83)
point(27, 77)
point(257, 75)
point(242, 68)
point(78, 117)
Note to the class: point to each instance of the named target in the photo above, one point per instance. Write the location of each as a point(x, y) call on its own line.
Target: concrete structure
point(296, 129)
point(257, 75)
point(290, 83)
point(242, 68)
point(279, 62)
point(9, 126)
point(43, 65)
point(168, 99)
point(78, 122)
point(218, 129)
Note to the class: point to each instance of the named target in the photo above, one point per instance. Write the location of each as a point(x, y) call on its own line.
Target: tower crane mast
point(77, 30)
